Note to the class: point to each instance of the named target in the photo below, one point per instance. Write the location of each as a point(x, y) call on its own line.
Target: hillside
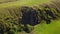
point(10, 15)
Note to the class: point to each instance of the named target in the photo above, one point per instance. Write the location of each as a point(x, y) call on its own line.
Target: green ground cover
point(53, 28)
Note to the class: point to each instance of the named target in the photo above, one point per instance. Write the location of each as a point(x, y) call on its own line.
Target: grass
point(24, 2)
point(19, 3)
point(53, 28)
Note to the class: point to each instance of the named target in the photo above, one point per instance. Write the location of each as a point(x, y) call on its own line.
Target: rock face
point(33, 16)
point(29, 16)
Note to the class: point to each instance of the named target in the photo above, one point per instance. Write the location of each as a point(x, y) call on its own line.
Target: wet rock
point(29, 16)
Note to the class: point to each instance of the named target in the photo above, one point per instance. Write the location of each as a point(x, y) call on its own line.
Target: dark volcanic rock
point(29, 16)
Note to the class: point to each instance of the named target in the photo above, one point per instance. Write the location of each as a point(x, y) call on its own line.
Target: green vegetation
point(53, 28)
point(24, 2)
point(10, 13)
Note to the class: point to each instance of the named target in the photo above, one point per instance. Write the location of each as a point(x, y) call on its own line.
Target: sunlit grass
point(24, 2)
point(53, 28)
